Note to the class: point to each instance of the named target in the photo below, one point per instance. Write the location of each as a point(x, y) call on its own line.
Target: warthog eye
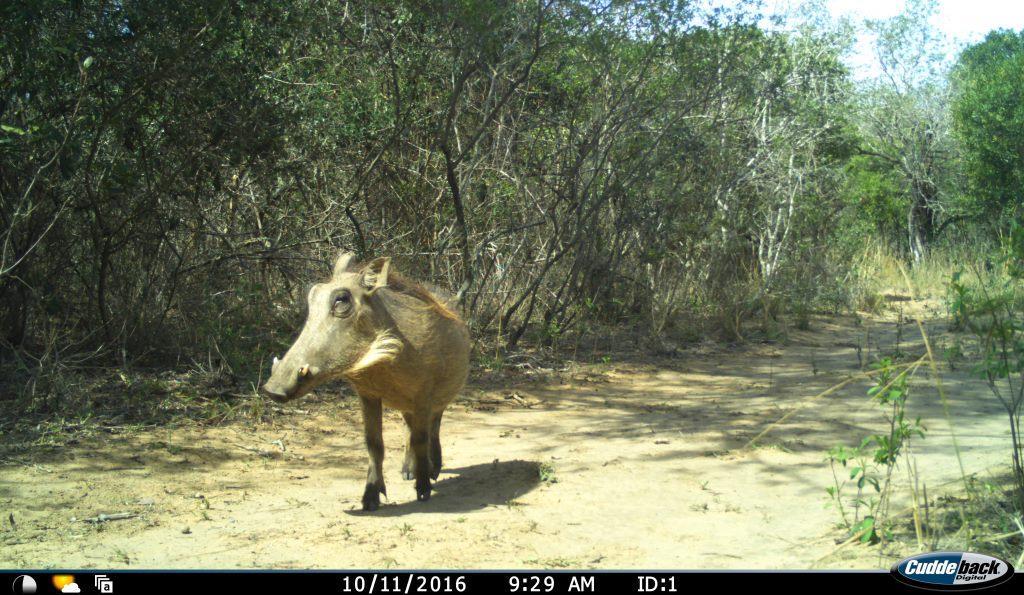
point(342, 304)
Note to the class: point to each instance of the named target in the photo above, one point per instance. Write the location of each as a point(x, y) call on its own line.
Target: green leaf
point(12, 129)
point(867, 526)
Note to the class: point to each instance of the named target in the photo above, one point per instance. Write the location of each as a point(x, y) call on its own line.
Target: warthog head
point(344, 332)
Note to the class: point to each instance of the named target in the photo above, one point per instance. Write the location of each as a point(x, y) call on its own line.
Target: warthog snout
point(289, 382)
point(277, 397)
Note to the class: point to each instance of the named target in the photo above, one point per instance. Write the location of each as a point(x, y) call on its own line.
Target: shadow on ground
point(471, 488)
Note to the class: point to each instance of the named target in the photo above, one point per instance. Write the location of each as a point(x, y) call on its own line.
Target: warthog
point(397, 344)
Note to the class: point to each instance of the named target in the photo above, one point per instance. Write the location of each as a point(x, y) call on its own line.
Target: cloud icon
point(71, 588)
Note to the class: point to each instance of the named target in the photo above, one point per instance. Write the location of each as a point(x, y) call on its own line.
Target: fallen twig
point(288, 410)
point(117, 516)
point(262, 452)
point(25, 464)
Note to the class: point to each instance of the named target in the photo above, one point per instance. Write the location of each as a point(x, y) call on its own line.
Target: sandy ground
point(617, 465)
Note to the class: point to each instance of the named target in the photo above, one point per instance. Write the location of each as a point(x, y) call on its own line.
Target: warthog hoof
point(371, 497)
point(423, 490)
point(407, 474)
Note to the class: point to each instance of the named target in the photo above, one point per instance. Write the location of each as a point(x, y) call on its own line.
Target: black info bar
point(371, 582)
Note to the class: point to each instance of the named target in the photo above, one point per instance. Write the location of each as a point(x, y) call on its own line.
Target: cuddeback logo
point(952, 571)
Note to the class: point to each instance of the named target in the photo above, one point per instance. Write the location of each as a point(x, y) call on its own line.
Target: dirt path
point(610, 466)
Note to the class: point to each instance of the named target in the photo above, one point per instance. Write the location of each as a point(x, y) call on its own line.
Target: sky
point(963, 21)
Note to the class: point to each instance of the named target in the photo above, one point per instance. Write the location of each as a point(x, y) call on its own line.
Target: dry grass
point(877, 272)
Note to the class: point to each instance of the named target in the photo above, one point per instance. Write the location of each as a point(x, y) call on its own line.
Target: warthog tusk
point(304, 371)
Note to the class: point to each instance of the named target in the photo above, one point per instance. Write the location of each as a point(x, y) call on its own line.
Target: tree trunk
point(921, 220)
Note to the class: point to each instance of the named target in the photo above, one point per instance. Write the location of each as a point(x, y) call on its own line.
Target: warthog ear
point(341, 265)
point(375, 274)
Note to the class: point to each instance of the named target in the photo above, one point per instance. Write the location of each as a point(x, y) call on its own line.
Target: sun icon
point(62, 580)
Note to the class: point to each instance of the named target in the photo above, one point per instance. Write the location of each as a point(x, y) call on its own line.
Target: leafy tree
point(874, 189)
point(903, 121)
point(988, 117)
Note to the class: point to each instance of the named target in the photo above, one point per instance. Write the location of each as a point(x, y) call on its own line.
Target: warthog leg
point(409, 463)
point(419, 441)
point(435, 446)
point(373, 426)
